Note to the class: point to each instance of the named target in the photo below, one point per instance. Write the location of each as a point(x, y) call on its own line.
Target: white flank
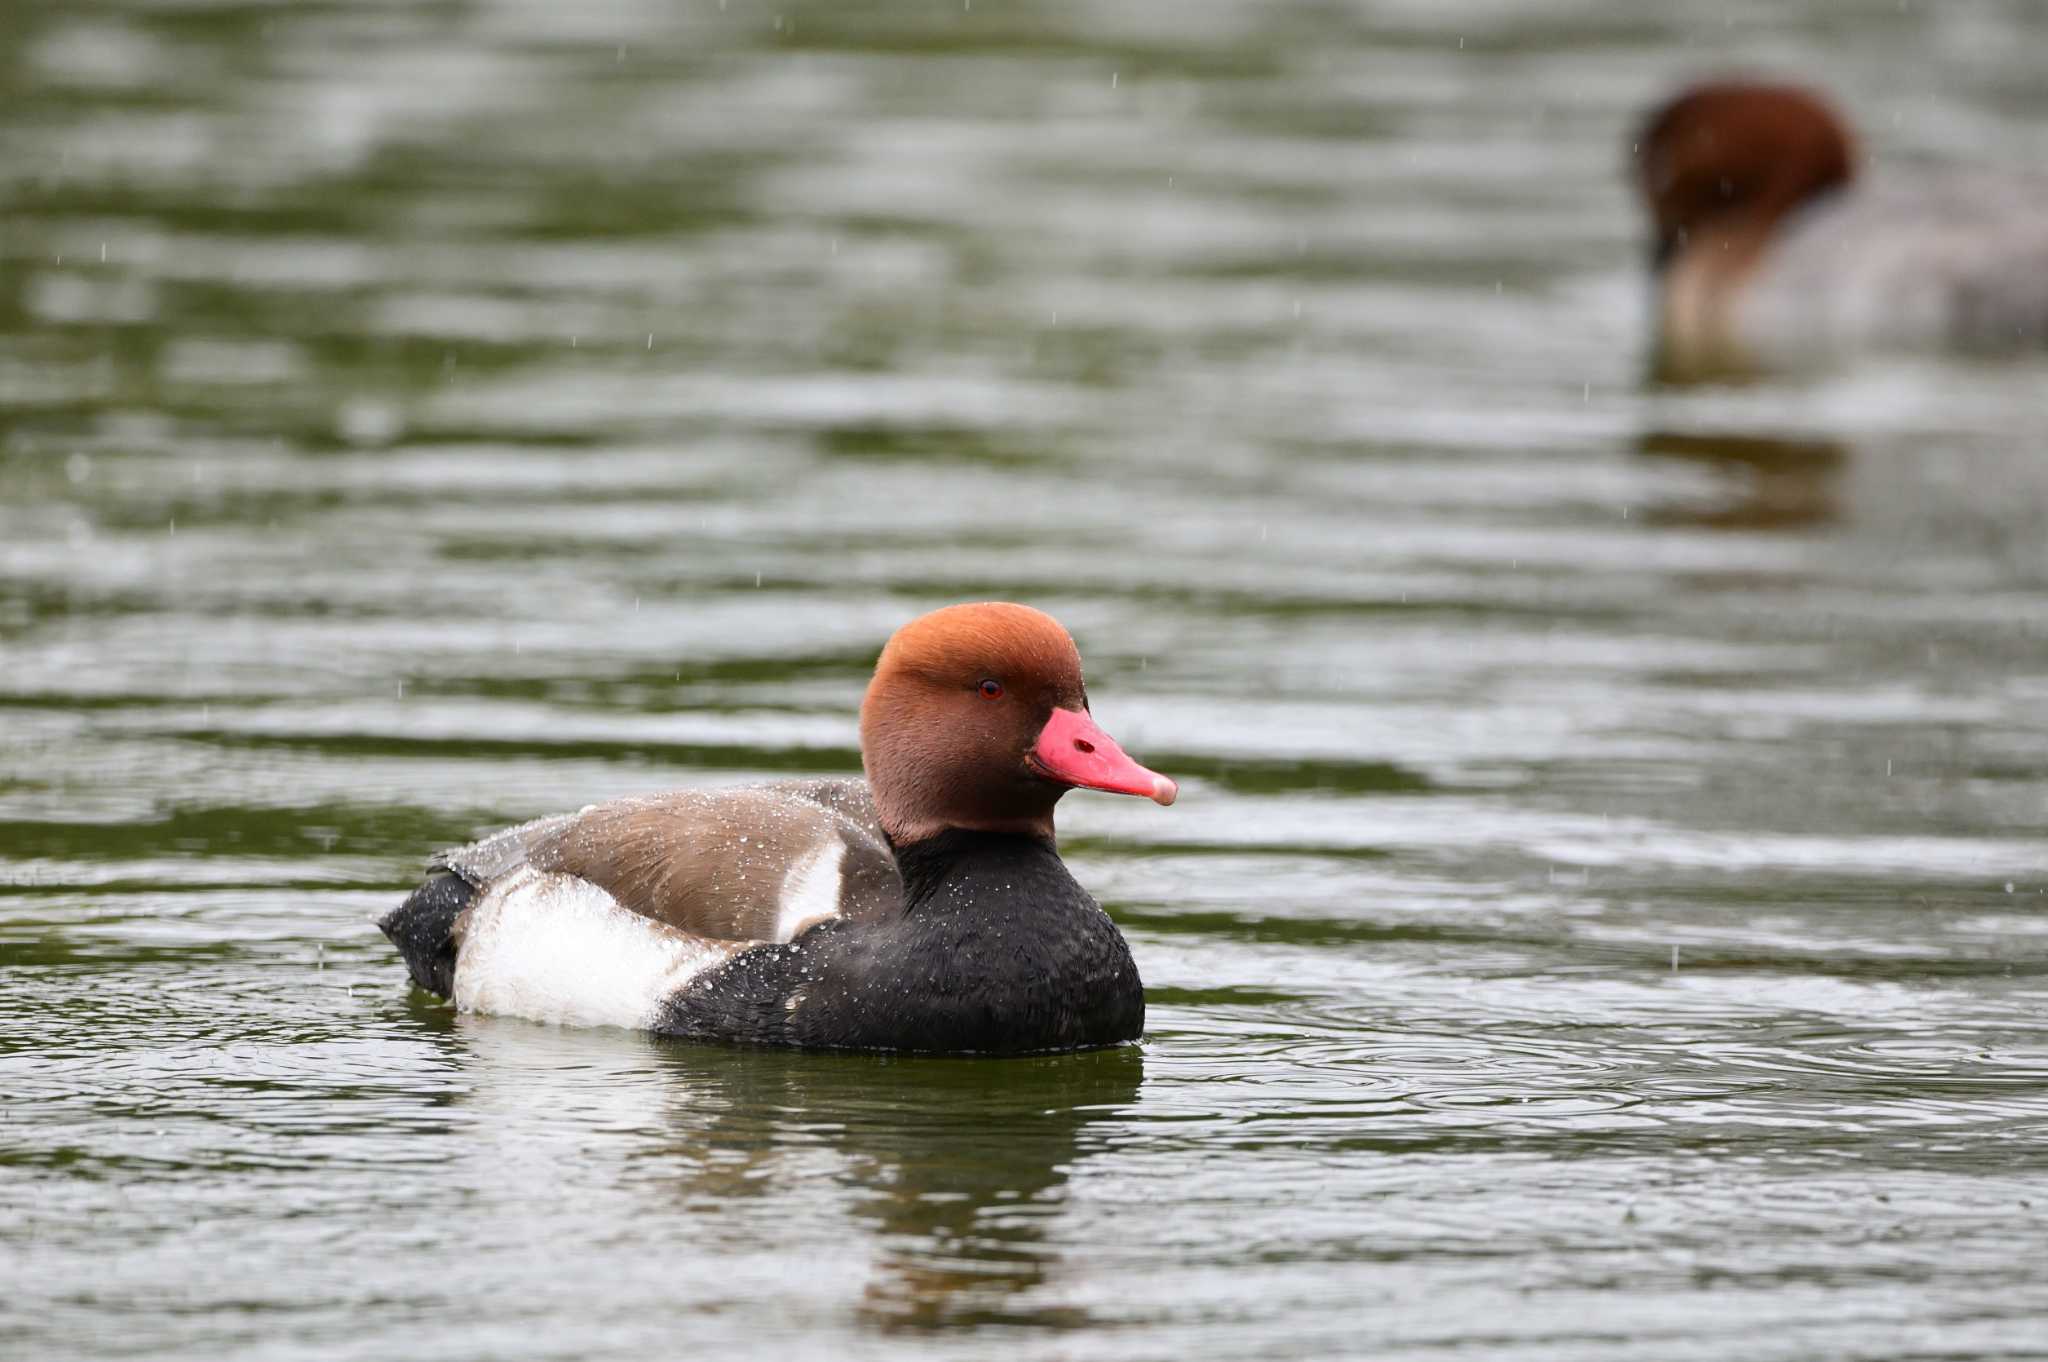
point(553, 948)
point(810, 891)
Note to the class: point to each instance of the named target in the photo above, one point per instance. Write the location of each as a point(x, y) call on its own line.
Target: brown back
point(714, 863)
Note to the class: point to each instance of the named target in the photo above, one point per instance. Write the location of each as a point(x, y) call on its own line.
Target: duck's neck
point(941, 871)
point(1701, 289)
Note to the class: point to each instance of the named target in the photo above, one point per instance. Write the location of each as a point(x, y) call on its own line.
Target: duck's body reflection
point(1778, 482)
point(953, 1171)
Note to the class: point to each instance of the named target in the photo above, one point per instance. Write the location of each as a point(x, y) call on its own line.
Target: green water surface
point(1604, 917)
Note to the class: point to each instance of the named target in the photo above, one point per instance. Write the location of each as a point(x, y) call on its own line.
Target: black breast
point(998, 951)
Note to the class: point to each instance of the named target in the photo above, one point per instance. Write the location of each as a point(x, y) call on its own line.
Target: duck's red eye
point(991, 690)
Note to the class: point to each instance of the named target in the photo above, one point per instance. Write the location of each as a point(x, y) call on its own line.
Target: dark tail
point(423, 929)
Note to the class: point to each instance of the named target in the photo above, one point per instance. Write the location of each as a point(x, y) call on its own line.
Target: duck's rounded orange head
point(1731, 158)
point(977, 718)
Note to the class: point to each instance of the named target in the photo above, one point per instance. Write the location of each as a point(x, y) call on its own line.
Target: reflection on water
point(1604, 914)
point(955, 1184)
point(961, 1181)
point(1780, 483)
point(954, 1178)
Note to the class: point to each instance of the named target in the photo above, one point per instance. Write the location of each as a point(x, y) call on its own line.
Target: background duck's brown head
point(1728, 159)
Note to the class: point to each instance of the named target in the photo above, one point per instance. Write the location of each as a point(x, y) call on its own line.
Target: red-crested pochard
point(1770, 253)
point(924, 909)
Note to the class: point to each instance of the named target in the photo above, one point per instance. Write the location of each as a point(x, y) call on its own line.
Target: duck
point(1771, 253)
point(923, 909)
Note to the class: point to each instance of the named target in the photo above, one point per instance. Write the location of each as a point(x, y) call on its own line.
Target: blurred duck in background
point(1771, 253)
